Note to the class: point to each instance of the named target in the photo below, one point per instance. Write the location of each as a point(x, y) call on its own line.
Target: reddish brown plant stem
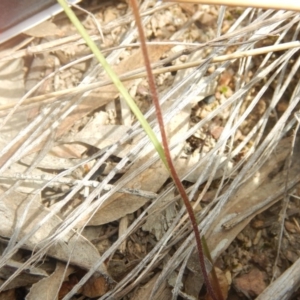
point(167, 151)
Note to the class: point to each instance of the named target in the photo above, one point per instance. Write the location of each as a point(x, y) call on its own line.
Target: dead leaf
point(96, 286)
point(251, 284)
point(28, 277)
point(151, 179)
point(49, 286)
point(69, 150)
point(73, 246)
point(44, 29)
point(68, 285)
point(119, 205)
point(8, 295)
point(290, 227)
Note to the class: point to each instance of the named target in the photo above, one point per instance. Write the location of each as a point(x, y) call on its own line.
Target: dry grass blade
point(230, 153)
point(268, 4)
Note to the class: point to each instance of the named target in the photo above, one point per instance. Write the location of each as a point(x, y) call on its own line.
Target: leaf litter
point(230, 126)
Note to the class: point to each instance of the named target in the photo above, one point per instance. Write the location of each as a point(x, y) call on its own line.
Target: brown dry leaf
point(151, 179)
point(154, 177)
point(290, 227)
point(50, 286)
point(251, 284)
point(44, 29)
point(69, 150)
point(68, 285)
point(8, 295)
point(88, 135)
point(73, 246)
point(96, 286)
point(119, 205)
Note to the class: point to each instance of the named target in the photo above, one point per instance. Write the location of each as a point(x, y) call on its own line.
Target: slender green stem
point(118, 84)
point(163, 153)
